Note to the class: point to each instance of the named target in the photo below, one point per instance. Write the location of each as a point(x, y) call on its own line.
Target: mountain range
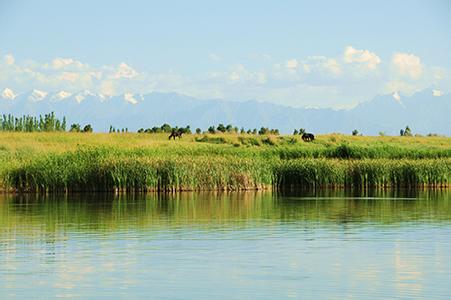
point(427, 111)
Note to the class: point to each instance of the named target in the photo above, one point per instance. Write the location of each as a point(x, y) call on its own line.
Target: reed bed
point(111, 170)
point(47, 162)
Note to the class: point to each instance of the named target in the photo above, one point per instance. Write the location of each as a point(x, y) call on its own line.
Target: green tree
point(87, 128)
point(407, 131)
point(221, 128)
point(75, 127)
point(211, 129)
point(355, 132)
point(263, 130)
point(198, 131)
point(166, 127)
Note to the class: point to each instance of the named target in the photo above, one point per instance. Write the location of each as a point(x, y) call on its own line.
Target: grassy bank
point(106, 162)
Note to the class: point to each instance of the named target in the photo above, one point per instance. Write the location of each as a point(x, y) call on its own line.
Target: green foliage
point(88, 128)
point(405, 132)
point(104, 169)
point(77, 162)
point(75, 128)
point(27, 123)
point(212, 129)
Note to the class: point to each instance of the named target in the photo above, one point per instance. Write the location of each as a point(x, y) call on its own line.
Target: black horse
point(176, 133)
point(308, 137)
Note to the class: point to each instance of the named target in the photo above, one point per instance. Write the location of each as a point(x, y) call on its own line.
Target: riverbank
point(68, 162)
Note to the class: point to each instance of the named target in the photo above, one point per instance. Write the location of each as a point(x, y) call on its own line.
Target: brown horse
point(175, 133)
point(308, 137)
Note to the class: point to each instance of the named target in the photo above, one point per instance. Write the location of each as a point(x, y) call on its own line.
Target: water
point(226, 246)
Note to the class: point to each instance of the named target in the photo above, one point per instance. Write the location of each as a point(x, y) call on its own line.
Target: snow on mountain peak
point(129, 97)
point(396, 96)
point(82, 95)
point(437, 93)
point(61, 95)
point(8, 94)
point(37, 95)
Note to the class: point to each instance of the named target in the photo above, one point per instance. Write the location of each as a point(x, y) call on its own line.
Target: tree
point(242, 131)
point(211, 129)
point(229, 128)
point(407, 131)
point(221, 128)
point(186, 130)
point(88, 128)
point(274, 131)
point(301, 131)
point(263, 130)
point(74, 128)
point(198, 131)
point(63, 124)
point(166, 127)
point(295, 132)
point(355, 132)
point(254, 131)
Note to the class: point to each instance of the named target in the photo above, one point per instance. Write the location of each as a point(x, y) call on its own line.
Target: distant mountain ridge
point(424, 112)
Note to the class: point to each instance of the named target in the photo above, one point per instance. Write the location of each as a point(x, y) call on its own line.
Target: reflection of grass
point(209, 210)
point(70, 161)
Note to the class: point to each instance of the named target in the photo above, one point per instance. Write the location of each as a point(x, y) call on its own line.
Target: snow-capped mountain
point(426, 111)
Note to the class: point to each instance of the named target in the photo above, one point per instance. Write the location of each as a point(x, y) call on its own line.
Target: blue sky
point(297, 53)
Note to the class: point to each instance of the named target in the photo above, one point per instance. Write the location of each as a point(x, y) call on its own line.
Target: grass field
point(130, 161)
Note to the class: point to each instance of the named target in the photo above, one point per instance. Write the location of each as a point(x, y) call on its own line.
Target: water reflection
point(302, 244)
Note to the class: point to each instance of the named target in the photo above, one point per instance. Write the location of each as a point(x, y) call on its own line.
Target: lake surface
point(325, 244)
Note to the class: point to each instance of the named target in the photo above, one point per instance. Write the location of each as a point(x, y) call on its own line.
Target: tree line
point(220, 128)
point(42, 123)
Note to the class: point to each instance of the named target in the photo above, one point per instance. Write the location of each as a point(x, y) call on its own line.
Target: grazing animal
point(308, 137)
point(175, 133)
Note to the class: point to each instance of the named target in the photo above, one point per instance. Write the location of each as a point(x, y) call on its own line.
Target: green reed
point(107, 169)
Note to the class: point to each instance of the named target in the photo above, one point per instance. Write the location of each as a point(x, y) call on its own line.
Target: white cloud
point(60, 63)
point(314, 80)
point(107, 88)
point(322, 64)
point(125, 71)
point(8, 94)
point(292, 64)
point(333, 66)
point(214, 57)
point(69, 76)
point(9, 59)
point(407, 65)
point(365, 57)
point(437, 93)
point(234, 76)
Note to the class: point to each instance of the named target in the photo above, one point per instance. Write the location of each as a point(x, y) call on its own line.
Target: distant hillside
point(423, 112)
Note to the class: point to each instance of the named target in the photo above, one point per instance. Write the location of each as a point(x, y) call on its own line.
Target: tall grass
point(105, 170)
point(47, 162)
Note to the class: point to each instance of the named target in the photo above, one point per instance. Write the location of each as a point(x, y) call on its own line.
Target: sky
point(296, 53)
